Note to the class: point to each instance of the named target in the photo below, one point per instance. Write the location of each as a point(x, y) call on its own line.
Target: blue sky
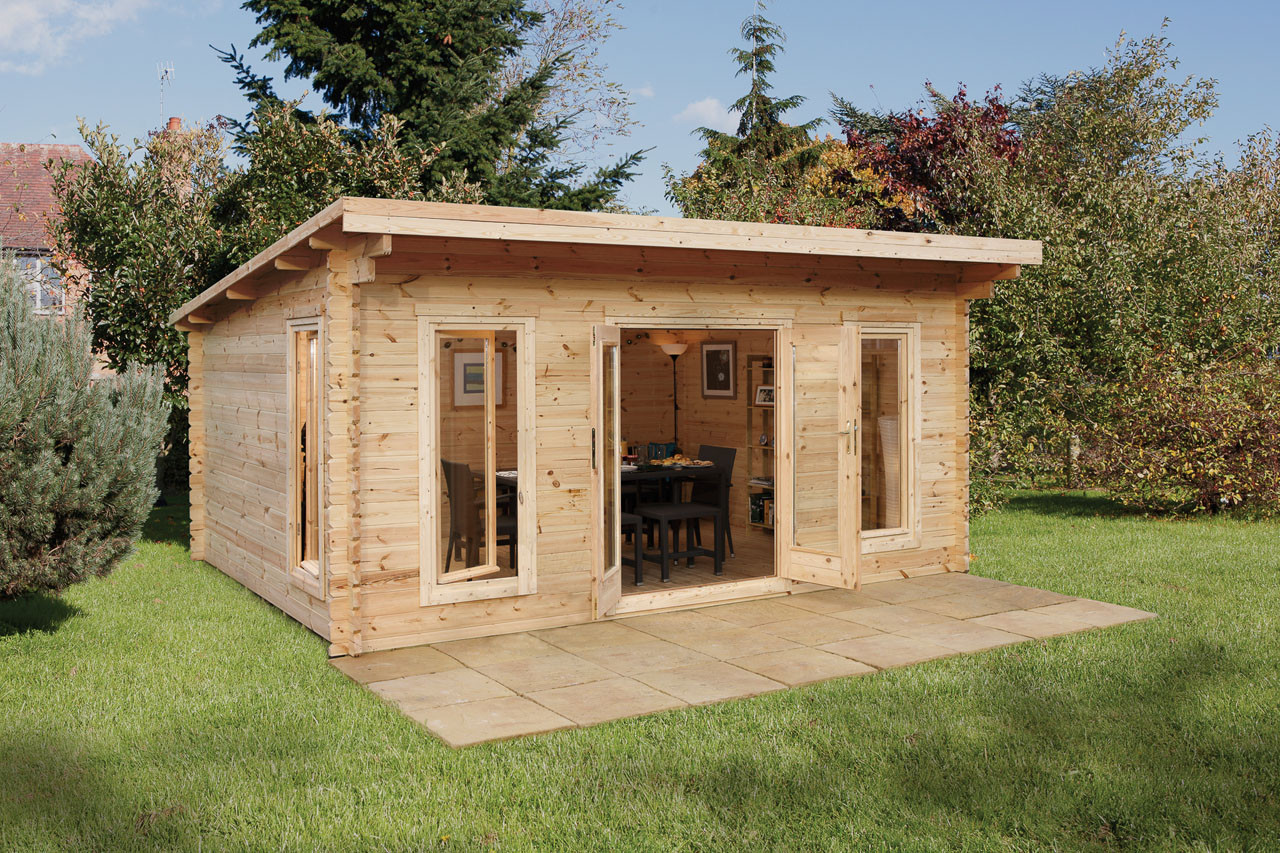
point(60, 59)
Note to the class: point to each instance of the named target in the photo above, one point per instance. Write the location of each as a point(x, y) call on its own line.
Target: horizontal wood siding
point(240, 435)
point(565, 308)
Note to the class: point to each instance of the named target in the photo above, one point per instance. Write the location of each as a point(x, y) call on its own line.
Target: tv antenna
point(165, 73)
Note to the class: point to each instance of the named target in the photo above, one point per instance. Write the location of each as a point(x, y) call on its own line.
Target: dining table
point(651, 472)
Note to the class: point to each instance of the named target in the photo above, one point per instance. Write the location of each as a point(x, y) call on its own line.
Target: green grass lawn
point(167, 707)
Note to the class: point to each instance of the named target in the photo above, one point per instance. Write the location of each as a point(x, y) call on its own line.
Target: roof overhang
point(974, 261)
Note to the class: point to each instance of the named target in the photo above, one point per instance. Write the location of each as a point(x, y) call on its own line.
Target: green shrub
point(1202, 438)
point(77, 455)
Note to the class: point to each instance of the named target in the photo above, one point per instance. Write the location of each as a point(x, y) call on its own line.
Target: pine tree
point(77, 454)
point(762, 135)
point(435, 66)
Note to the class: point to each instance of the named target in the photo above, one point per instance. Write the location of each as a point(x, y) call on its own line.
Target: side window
point(305, 456)
point(476, 462)
point(890, 373)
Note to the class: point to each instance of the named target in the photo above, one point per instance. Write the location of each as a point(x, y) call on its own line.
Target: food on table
point(681, 460)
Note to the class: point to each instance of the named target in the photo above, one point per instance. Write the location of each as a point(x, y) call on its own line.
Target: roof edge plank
point(391, 218)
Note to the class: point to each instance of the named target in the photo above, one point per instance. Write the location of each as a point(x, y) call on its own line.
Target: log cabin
point(413, 422)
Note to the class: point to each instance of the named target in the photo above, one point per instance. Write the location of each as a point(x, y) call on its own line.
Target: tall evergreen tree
point(762, 134)
point(435, 66)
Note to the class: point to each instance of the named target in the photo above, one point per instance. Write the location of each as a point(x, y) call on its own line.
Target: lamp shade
point(675, 349)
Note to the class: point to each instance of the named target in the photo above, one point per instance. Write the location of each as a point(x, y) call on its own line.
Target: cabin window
point(477, 468)
point(889, 374)
point(305, 450)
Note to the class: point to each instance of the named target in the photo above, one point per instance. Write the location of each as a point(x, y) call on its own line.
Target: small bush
point(1195, 439)
point(77, 456)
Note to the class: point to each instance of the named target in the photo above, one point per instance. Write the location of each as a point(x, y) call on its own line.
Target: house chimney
point(175, 124)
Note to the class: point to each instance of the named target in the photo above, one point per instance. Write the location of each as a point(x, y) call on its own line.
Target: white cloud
point(36, 33)
point(645, 91)
point(708, 112)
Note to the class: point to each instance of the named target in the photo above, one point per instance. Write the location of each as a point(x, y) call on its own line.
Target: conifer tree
point(77, 454)
point(435, 66)
point(762, 135)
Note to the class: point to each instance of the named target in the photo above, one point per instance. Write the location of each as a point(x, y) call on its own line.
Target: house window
point(305, 370)
point(476, 466)
point(889, 373)
point(43, 283)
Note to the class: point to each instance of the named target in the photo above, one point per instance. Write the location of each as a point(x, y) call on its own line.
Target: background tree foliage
point(140, 223)
point(1154, 248)
point(769, 170)
point(444, 70)
point(148, 225)
point(598, 108)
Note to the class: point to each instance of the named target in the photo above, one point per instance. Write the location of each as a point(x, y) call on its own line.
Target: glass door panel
point(607, 467)
point(884, 411)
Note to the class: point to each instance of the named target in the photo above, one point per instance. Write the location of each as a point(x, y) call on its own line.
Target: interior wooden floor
point(751, 559)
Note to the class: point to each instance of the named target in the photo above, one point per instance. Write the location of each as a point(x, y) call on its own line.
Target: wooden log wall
point(386, 440)
point(241, 443)
point(197, 451)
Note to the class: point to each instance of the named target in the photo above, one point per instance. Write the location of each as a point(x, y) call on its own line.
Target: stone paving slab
point(491, 688)
point(716, 681)
point(802, 666)
point(601, 701)
point(397, 663)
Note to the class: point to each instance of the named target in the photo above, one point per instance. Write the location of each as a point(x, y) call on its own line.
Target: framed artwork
point(764, 395)
point(720, 369)
point(468, 379)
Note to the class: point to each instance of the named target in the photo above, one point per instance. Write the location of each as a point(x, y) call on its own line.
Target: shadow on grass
point(1125, 757)
point(1068, 505)
point(170, 522)
point(36, 612)
point(51, 788)
point(1121, 758)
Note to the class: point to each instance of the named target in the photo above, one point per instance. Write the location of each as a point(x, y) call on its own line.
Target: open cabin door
point(606, 468)
point(818, 471)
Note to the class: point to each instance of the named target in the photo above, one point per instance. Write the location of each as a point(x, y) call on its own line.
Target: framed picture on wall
point(468, 379)
point(720, 369)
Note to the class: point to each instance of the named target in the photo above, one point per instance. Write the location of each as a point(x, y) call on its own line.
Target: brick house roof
point(26, 192)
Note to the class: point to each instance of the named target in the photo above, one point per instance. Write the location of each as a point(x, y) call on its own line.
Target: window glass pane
point(307, 442)
point(610, 463)
point(817, 436)
point(461, 504)
point(507, 435)
point(883, 438)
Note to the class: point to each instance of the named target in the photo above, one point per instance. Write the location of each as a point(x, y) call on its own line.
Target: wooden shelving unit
point(760, 457)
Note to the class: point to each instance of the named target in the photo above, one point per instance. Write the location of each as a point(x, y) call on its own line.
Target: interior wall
point(722, 421)
point(646, 386)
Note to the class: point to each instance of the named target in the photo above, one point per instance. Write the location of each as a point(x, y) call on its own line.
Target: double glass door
point(818, 473)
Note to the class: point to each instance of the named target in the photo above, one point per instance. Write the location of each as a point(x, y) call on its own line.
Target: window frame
point(908, 534)
point(312, 581)
point(431, 478)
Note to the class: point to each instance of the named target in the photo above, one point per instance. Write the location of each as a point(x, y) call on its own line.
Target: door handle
point(595, 463)
point(847, 432)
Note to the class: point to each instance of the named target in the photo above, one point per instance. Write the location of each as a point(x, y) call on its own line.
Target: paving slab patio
point(490, 688)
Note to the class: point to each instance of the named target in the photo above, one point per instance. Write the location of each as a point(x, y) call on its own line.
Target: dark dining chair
point(708, 491)
point(466, 521)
